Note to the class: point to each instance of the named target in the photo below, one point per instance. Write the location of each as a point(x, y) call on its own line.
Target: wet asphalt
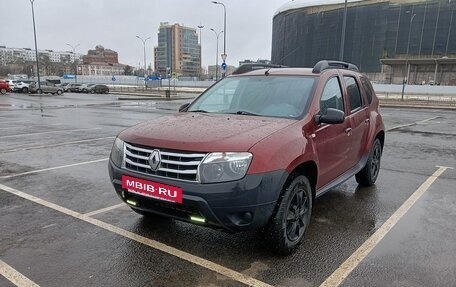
point(54, 249)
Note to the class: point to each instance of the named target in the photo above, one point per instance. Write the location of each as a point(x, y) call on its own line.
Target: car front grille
point(181, 165)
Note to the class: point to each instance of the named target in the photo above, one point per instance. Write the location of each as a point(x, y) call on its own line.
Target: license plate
point(152, 189)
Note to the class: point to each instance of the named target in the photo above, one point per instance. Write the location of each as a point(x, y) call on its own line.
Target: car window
point(368, 89)
point(274, 96)
point(332, 96)
point(354, 93)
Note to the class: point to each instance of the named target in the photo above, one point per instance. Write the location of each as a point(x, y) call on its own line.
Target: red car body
point(4, 87)
point(316, 151)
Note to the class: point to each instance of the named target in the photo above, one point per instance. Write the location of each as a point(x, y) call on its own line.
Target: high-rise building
point(178, 50)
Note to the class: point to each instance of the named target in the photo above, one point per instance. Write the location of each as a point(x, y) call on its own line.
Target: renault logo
point(155, 159)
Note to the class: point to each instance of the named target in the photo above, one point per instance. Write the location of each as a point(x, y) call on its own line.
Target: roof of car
point(281, 71)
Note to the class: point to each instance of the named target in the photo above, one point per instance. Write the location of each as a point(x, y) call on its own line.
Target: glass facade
point(178, 49)
point(375, 30)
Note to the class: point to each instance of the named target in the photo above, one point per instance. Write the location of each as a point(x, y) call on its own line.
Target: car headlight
point(117, 152)
point(224, 166)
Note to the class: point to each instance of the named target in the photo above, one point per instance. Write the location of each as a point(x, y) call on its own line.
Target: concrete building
point(15, 55)
point(101, 69)
point(177, 49)
point(259, 61)
point(101, 62)
point(211, 72)
point(102, 55)
point(390, 40)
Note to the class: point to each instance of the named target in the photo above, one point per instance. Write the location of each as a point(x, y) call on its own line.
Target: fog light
point(197, 219)
point(131, 202)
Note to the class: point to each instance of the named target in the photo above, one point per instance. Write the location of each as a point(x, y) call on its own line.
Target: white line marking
point(15, 277)
point(50, 132)
point(14, 122)
point(412, 124)
point(32, 126)
point(55, 145)
point(341, 273)
point(234, 275)
point(52, 168)
point(90, 214)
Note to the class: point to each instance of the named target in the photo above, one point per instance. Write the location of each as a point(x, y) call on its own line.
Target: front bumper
point(235, 206)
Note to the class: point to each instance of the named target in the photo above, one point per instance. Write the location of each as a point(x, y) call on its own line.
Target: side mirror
point(184, 107)
point(332, 116)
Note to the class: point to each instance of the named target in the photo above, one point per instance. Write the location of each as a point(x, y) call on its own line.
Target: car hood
point(204, 132)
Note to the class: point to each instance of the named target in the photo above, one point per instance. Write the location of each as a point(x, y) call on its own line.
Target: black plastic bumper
point(235, 206)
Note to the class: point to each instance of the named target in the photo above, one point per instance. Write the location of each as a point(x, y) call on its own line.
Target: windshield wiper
point(246, 113)
point(198, 111)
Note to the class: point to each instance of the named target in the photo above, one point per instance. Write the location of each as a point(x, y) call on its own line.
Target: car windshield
point(272, 96)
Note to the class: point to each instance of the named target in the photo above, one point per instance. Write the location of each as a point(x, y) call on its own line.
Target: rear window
point(367, 89)
point(354, 93)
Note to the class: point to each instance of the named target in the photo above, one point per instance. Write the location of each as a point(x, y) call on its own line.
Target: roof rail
point(254, 66)
point(325, 64)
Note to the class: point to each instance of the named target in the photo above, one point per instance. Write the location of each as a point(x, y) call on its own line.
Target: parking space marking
point(52, 168)
point(15, 277)
point(13, 122)
point(229, 273)
point(341, 273)
point(95, 212)
point(412, 124)
point(50, 132)
point(32, 126)
point(55, 145)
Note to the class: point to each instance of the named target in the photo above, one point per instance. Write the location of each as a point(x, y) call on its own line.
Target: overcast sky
point(115, 23)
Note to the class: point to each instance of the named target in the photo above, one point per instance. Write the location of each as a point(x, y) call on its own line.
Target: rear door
point(358, 117)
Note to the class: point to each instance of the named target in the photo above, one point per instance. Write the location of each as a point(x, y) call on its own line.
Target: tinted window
point(332, 96)
point(368, 89)
point(353, 93)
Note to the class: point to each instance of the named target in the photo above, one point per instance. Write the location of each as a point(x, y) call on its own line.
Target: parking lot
point(61, 223)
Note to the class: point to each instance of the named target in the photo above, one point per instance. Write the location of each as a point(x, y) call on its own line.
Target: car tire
point(59, 92)
point(3, 91)
point(287, 227)
point(39, 91)
point(368, 175)
point(25, 90)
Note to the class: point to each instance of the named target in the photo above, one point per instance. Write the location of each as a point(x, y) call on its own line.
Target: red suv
point(254, 150)
point(4, 87)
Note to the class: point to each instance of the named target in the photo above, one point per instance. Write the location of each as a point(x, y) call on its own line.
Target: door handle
point(367, 121)
point(348, 131)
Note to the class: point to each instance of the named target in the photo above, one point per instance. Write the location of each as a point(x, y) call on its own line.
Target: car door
point(333, 144)
point(358, 118)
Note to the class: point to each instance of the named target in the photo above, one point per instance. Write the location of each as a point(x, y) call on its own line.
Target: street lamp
point(74, 61)
point(406, 74)
point(36, 46)
point(144, 45)
point(216, 53)
point(201, 51)
point(224, 33)
point(342, 37)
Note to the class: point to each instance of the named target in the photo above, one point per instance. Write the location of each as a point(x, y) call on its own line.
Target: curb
point(450, 108)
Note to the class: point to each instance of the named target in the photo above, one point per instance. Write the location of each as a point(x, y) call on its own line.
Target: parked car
point(98, 89)
point(74, 88)
point(46, 87)
point(254, 150)
point(11, 83)
point(64, 86)
point(4, 87)
point(85, 88)
point(22, 86)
